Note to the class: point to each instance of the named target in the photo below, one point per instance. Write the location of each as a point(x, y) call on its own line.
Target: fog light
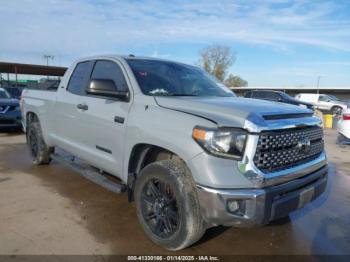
point(237, 207)
point(232, 206)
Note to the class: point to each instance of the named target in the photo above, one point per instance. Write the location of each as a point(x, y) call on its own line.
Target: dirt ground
point(52, 210)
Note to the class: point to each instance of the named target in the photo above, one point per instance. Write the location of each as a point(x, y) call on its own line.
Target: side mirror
point(106, 87)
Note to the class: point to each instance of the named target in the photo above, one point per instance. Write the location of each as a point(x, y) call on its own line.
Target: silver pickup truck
point(189, 152)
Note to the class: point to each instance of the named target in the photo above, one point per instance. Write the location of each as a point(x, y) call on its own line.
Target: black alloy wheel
point(167, 204)
point(33, 142)
point(159, 209)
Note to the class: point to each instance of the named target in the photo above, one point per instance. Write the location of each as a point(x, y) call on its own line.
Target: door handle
point(83, 107)
point(119, 119)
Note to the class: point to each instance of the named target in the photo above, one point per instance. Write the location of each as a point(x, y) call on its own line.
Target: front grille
point(3, 109)
point(279, 150)
point(6, 122)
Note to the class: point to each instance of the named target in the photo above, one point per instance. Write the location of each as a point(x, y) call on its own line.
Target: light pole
point(318, 84)
point(47, 57)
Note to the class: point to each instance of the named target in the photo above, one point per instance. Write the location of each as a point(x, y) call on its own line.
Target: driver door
point(104, 120)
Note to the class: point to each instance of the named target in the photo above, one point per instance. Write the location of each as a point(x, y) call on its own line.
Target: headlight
point(18, 108)
point(225, 142)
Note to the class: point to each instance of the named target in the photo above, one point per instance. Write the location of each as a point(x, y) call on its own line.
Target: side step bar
point(88, 172)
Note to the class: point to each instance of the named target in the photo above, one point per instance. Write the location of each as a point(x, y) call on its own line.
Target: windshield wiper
point(179, 94)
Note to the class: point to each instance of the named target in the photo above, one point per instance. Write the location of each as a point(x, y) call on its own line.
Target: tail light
point(346, 116)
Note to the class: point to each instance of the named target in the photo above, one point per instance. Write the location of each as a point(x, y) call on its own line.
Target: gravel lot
point(52, 210)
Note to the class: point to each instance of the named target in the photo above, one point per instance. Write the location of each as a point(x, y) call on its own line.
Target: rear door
point(104, 121)
point(324, 102)
point(67, 128)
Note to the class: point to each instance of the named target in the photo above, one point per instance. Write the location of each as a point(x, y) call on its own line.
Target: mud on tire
point(39, 151)
point(174, 222)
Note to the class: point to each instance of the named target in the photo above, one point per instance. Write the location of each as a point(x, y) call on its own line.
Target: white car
point(344, 124)
point(325, 102)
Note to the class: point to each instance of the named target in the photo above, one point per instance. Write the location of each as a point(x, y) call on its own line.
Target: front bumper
point(344, 129)
point(11, 119)
point(260, 206)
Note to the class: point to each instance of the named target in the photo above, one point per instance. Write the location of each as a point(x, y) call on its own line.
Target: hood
point(9, 102)
point(231, 111)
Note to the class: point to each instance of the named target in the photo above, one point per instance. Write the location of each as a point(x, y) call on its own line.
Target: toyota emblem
point(304, 145)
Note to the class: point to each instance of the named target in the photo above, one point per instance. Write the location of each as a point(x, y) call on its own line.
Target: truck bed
point(39, 102)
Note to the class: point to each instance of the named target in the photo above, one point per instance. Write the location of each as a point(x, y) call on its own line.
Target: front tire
point(167, 205)
point(39, 151)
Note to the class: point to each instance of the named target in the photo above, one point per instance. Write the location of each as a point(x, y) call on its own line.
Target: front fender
point(165, 128)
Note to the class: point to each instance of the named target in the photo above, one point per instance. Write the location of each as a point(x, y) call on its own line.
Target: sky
point(276, 42)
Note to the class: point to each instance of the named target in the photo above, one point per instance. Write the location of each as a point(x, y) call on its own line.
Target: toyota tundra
point(189, 152)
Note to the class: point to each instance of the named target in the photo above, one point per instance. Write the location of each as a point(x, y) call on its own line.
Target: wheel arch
point(31, 116)
point(141, 155)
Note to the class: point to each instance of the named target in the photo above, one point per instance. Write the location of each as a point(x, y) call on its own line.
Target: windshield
point(163, 78)
point(13, 91)
point(4, 94)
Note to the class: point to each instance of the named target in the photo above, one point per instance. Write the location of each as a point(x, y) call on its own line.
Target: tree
point(216, 60)
point(235, 81)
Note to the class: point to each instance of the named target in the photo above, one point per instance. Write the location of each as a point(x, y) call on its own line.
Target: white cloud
point(75, 28)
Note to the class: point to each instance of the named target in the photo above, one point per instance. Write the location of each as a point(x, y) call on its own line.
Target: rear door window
point(261, 95)
point(80, 78)
point(266, 95)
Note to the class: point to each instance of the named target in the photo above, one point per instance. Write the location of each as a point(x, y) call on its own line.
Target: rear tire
point(167, 205)
point(39, 151)
point(336, 110)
